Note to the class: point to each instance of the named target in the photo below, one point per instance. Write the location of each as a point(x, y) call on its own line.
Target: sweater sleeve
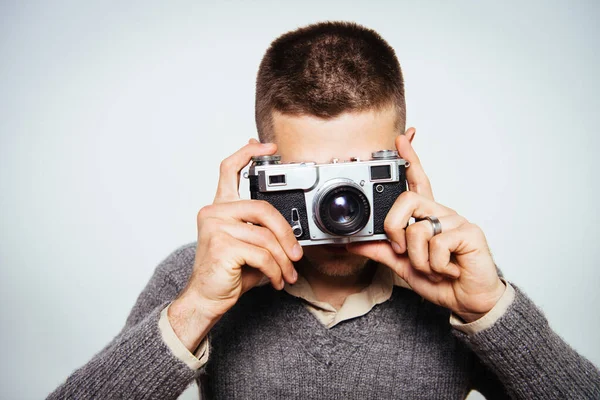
point(531, 360)
point(136, 364)
point(485, 382)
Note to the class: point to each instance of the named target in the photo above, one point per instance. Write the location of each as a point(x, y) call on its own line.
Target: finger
point(407, 205)
point(229, 172)
point(259, 258)
point(440, 253)
point(262, 237)
point(257, 212)
point(454, 244)
point(418, 238)
point(382, 252)
point(415, 175)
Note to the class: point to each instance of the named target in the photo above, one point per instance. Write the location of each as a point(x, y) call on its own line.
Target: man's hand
point(453, 269)
point(239, 243)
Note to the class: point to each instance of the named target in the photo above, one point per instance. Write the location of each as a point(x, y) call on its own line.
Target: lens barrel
point(342, 209)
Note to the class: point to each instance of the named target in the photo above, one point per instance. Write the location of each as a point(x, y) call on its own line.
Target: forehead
point(351, 134)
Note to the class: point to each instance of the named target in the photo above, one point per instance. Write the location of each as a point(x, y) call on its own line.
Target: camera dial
point(384, 154)
point(267, 160)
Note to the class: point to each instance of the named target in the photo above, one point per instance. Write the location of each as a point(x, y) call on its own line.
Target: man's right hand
point(239, 243)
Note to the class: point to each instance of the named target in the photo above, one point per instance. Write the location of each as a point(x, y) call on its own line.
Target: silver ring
point(435, 224)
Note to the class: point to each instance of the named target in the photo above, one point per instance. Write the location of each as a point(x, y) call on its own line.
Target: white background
point(114, 118)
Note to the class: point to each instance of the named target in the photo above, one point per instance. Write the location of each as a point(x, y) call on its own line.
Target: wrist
point(191, 320)
point(492, 299)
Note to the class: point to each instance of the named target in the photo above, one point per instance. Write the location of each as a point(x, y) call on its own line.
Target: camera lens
point(343, 210)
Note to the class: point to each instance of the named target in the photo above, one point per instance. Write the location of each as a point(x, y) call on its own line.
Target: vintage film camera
point(340, 202)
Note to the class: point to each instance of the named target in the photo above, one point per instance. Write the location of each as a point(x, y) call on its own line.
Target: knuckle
point(266, 208)
point(273, 219)
point(462, 220)
point(279, 255)
point(472, 232)
point(479, 233)
point(265, 235)
point(473, 227)
point(264, 257)
point(451, 211)
point(410, 231)
point(415, 232)
point(281, 227)
point(435, 265)
point(204, 212)
point(436, 243)
point(419, 259)
point(216, 242)
point(407, 196)
point(419, 264)
point(264, 204)
point(269, 242)
point(226, 165)
point(390, 225)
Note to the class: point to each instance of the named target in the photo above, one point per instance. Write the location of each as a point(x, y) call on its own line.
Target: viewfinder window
point(275, 180)
point(381, 172)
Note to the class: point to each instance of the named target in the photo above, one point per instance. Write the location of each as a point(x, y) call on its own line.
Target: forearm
point(135, 365)
point(530, 359)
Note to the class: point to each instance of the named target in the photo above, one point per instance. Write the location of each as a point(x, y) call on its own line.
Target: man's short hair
point(326, 69)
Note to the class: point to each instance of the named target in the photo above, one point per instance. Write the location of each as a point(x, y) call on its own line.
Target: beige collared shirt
point(355, 305)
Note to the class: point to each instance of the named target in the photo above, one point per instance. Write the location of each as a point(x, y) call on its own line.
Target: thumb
point(382, 252)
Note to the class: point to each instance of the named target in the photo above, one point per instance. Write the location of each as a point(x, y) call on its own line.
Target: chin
point(334, 260)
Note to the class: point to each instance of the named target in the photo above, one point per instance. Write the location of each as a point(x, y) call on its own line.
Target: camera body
point(339, 202)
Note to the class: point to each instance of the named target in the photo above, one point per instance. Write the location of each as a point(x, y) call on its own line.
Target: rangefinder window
point(380, 172)
point(276, 180)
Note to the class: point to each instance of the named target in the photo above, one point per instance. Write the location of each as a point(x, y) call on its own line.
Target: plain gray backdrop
point(114, 117)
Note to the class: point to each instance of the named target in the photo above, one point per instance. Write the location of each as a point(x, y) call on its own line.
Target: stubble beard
point(333, 264)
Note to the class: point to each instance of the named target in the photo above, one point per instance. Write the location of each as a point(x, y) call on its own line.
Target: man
point(423, 315)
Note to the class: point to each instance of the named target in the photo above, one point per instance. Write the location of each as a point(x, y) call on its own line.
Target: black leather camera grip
point(384, 197)
point(284, 202)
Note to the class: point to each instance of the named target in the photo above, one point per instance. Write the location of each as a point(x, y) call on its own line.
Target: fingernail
point(282, 285)
point(435, 278)
point(297, 251)
point(294, 275)
point(396, 247)
point(266, 144)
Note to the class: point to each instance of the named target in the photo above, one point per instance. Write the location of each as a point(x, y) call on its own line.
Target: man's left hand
point(453, 269)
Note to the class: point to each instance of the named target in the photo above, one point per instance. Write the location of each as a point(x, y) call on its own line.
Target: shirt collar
point(355, 305)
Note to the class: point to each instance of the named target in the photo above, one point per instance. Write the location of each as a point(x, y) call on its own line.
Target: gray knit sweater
point(270, 347)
